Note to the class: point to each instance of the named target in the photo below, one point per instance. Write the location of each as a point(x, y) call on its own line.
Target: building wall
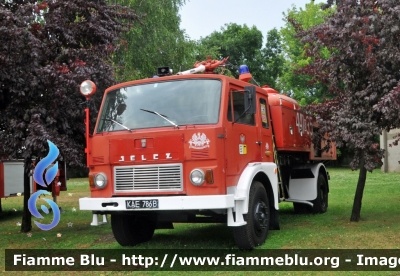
point(391, 161)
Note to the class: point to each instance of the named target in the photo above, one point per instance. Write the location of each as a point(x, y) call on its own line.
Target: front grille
point(166, 177)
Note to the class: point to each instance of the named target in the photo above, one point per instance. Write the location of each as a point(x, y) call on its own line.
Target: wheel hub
point(261, 216)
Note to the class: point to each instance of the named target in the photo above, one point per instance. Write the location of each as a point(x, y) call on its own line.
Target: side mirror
point(250, 99)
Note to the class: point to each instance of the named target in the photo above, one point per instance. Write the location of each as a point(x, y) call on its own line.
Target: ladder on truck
point(278, 167)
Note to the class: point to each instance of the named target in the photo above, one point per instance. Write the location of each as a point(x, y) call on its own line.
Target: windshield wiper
point(162, 116)
point(118, 123)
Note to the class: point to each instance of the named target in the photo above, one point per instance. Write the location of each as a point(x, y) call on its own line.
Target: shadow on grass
point(10, 215)
point(199, 235)
point(196, 235)
point(193, 236)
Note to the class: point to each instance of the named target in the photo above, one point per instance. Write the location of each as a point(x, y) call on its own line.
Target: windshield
point(159, 104)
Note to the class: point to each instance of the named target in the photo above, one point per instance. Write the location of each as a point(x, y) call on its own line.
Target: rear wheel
point(130, 230)
point(255, 231)
point(321, 202)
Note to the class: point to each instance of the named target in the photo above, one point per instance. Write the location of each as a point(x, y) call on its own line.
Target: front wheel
point(130, 230)
point(255, 231)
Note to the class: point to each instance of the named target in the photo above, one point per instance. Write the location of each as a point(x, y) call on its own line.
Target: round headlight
point(197, 177)
point(100, 180)
point(87, 88)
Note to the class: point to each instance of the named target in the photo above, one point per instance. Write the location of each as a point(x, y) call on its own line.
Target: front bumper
point(164, 203)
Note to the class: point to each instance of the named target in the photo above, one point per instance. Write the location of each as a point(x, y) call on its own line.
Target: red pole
point(84, 89)
point(87, 136)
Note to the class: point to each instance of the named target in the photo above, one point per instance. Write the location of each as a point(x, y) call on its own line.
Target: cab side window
point(236, 109)
point(264, 113)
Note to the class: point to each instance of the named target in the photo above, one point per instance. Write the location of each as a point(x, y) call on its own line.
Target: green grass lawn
point(378, 228)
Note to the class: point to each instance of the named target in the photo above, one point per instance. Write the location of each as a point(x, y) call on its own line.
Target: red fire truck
point(202, 147)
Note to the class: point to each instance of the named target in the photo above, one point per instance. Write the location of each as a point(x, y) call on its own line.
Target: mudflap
point(274, 222)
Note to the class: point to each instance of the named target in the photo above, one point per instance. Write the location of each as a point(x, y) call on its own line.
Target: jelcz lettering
point(144, 157)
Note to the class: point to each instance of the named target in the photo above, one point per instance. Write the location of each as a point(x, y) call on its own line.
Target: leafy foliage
point(363, 72)
point(46, 50)
point(158, 41)
point(274, 60)
point(330, 3)
point(301, 86)
point(243, 45)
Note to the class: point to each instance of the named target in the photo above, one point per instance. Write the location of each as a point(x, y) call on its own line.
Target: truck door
point(265, 130)
point(241, 142)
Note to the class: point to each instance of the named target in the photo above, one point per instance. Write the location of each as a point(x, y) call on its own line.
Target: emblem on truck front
point(199, 141)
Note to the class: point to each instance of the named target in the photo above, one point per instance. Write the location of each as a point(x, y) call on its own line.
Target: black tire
point(255, 231)
point(130, 230)
point(321, 202)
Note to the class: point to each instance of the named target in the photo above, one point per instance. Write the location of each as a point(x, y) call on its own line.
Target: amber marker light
point(209, 176)
point(91, 180)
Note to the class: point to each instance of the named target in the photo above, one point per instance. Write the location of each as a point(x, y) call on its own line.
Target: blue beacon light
point(244, 73)
point(243, 69)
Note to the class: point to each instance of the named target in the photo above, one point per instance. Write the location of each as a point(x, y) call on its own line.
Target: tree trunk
point(26, 225)
point(362, 177)
point(1, 209)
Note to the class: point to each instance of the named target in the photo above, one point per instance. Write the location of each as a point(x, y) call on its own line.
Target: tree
point(46, 50)
point(158, 41)
point(243, 46)
point(274, 60)
point(363, 72)
point(330, 3)
point(300, 86)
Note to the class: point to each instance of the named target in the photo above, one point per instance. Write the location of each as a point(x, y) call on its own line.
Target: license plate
point(142, 204)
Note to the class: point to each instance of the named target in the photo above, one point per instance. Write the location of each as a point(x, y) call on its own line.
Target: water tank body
point(292, 128)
